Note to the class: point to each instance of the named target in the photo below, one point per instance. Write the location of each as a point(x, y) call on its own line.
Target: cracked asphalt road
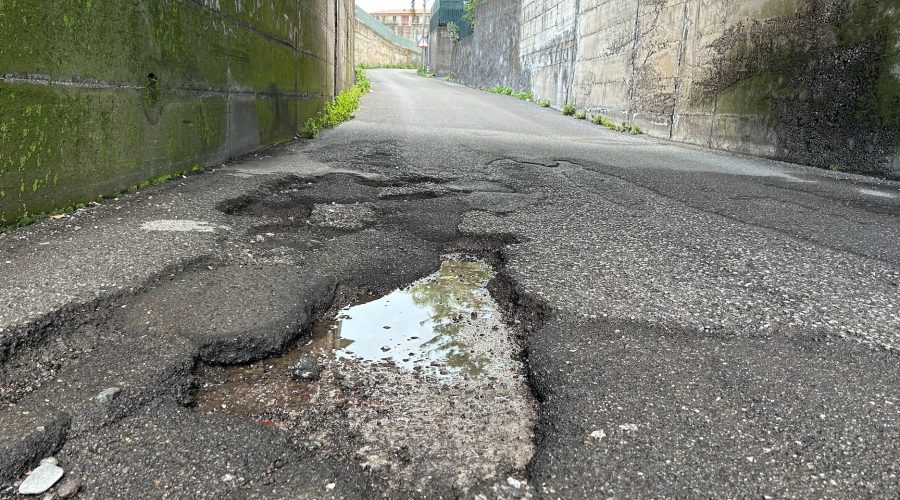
point(695, 323)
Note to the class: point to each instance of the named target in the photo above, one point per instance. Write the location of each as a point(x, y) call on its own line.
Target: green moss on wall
point(156, 84)
point(754, 95)
point(824, 79)
point(879, 21)
point(62, 145)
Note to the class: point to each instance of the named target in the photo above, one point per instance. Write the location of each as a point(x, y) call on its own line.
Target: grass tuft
point(625, 127)
point(339, 109)
point(544, 103)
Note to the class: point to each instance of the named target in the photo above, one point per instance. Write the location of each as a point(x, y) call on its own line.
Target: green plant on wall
point(470, 9)
point(453, 31)
point(339, 109)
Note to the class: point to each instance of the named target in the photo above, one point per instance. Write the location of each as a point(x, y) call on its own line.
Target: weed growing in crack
point(625, 127)
point(424, 72)
point(339, 109)
point(568, 109)
point(580, 114)
point(449, 78)
point(544, 103)
point(524, 95)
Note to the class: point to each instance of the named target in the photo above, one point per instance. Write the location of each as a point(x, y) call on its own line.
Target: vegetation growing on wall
point(103, 95)
point(453, 31)
point(631, 128)
point(823, 79)
point(470, 11)
point(339, 109)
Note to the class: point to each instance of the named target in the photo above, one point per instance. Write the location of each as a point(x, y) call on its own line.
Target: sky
point(374, 5)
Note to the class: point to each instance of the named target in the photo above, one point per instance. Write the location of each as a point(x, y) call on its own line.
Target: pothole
point(424, 385)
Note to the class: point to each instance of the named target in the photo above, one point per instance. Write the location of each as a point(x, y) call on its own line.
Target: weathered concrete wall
point(345, 39)
point(549, 45)
point(98, 96)
point(811, 81)
point(440, 50)
point(374, 49)
point(490, 56)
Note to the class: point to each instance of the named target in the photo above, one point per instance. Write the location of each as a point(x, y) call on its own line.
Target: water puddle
point(423, 383)
point(421, 327)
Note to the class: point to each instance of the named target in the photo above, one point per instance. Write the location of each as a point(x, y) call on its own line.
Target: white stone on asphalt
point(40, 479)
point(107, 395)
point(597, 435)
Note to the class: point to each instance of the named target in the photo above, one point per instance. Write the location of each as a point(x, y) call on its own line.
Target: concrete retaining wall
point(374, 49)
point(491, 55)
point(440, 49)
point(98, 96)
point(810, 81)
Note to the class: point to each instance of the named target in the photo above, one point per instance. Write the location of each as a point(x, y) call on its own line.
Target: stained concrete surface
point(693, 322)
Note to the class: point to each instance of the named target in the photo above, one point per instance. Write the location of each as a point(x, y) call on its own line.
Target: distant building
point(404, 22)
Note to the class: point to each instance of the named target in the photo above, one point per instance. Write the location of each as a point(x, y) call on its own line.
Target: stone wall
point(440, 50)
point(491, 55)
point(99, 96)
point(810, 81)
point(377, 46)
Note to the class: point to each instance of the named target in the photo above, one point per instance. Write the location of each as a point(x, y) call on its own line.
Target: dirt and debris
point(446, 400)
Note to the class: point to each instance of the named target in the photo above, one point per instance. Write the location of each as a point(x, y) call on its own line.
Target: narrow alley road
point(673, 321)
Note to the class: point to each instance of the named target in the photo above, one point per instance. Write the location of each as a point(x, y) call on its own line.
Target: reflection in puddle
point(418, 328)
point(423, 384)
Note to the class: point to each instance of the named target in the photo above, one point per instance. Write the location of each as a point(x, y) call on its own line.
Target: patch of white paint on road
point(874, 192)
point(181, 225)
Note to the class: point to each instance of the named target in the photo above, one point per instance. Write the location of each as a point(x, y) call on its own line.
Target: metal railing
point(449, 11)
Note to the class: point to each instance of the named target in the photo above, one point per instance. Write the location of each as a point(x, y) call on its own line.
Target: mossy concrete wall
point(97, 96)
point(810, 81)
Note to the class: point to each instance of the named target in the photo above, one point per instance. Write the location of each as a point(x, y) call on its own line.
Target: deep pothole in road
point(424, 385)
point(448, 413)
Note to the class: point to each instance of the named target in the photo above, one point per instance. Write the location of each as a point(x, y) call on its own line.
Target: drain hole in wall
point(151, 89)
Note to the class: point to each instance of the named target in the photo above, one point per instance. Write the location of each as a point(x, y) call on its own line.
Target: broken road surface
point(663, 320)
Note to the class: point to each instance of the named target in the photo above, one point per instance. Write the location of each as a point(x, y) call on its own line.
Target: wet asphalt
point(695, 323)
